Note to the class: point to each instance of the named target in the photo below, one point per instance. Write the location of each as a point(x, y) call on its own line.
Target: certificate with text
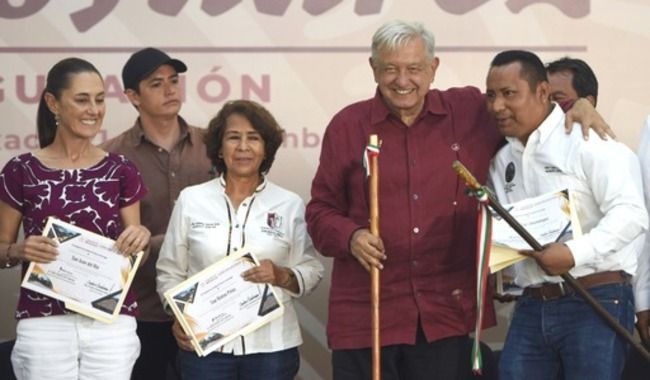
point(89, 275)
point(216, 305)
point(548, 218)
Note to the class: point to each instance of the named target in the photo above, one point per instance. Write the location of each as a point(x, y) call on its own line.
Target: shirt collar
point(555, 118)
point(259, 188)
point(137, 136)
point(542, 133)
point(379, 111)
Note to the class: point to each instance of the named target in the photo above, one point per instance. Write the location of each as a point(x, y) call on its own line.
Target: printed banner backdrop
point(304, 60)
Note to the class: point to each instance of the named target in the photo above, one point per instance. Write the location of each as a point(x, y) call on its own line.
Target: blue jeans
point(279, 365)
point(566, 333)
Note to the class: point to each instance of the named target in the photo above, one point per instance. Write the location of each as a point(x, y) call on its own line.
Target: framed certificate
point(549, 218)
point(89, 275)
point(216, 305)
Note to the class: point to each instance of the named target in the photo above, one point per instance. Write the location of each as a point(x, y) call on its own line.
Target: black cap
point(144, 62)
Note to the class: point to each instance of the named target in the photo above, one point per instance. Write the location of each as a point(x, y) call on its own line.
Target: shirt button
point(416, 230)
point(415, 197)
point(237, 226)
point(243, 204)
point(160, 150)
point(414, 263)
point(173, 174)
point(455, 203)
point(234, 249)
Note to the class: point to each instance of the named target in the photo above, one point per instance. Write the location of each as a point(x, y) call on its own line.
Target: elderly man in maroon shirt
point(428, 224)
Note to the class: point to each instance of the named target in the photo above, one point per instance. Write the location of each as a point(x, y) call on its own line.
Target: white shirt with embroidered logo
point(205, 227)
point(605, 178)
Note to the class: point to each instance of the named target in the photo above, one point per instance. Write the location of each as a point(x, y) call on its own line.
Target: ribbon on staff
point(372, 150)
point(484, 241)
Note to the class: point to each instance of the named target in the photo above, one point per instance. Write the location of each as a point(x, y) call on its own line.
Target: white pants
point(75, 347)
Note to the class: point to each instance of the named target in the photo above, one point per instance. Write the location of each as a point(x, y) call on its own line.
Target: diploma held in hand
point(549, 218)
point(217, 305)
point(89, 275)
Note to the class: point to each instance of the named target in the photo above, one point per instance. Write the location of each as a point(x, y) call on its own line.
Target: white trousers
point(74, 347)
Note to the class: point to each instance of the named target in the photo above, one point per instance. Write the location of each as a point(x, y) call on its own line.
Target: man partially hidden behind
point(170, 155)
point(570, 79)
point(552, 327)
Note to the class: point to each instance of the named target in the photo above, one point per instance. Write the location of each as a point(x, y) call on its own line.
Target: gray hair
point(395, 33)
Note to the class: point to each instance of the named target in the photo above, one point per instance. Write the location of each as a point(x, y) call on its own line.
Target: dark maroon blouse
point(90, 198)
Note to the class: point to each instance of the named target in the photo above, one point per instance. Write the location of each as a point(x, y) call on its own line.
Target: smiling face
point(242, 148)
point(403, 76)
point(80, 108)
point(158, 94)
point(518, 109)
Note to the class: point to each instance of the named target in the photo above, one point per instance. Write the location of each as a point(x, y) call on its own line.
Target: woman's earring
point(56, 119)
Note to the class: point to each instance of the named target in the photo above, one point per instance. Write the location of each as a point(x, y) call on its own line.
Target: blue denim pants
point(566, 333)
point(279, 365)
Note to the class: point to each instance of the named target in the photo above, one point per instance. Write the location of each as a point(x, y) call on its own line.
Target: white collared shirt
point(642, 278)
point(604, 176)
point(205, 227)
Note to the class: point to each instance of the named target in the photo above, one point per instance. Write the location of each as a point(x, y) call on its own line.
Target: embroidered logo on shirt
point(204, 225)
point(510, 175)
point(552, 169)
point(273, 220)
point(510, 172)
point(274, 223)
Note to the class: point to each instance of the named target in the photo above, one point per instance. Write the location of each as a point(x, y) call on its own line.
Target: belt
point(549, 291)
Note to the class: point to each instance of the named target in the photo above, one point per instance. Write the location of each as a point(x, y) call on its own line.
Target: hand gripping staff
point(477, 189)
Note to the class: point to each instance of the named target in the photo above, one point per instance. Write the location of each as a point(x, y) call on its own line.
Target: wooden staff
point(473, 184)
point(374, 271)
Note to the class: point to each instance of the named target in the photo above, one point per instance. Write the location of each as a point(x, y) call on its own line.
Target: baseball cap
point(144, 62)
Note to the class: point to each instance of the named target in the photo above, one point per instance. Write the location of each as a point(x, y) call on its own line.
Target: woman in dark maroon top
point(73, 180)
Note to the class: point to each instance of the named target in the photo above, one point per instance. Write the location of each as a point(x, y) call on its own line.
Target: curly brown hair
point(261, 120)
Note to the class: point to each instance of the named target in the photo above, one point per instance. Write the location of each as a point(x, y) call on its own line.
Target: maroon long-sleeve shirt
point(427, 222)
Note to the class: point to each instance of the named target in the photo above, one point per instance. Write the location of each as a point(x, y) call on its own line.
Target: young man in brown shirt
point(170, 155)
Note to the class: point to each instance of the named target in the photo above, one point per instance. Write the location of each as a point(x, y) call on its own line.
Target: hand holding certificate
point(217, 305)
point(549, 218)
point(89, 275)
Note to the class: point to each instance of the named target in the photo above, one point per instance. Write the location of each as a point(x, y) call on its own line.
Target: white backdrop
point(304, 60)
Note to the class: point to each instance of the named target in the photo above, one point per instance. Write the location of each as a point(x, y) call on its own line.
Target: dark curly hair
point(261, 120)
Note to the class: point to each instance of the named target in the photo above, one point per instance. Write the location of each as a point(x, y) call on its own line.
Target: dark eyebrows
point(247, 133)
point(160, 78)
point(87, 94)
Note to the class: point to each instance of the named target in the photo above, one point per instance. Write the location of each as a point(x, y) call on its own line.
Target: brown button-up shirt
point(165, 174)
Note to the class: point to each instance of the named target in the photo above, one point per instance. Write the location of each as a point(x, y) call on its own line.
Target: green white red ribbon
point(371, 151)
point(484, 241)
